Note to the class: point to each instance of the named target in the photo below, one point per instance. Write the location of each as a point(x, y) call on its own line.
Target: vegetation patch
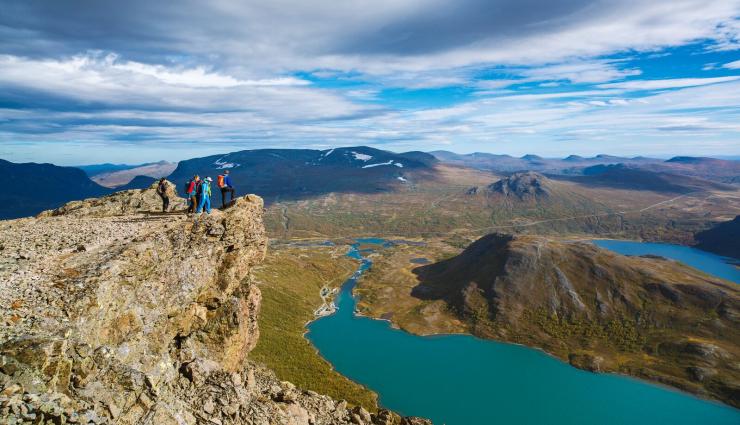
point(290, 280)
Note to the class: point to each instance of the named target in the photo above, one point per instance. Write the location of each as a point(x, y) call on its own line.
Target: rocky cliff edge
point(110, 313)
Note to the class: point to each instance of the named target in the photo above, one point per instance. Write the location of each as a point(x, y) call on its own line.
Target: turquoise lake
point(702, 260)
point(463, 380)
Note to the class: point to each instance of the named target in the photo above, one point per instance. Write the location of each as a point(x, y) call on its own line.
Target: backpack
point(220, 180)
point(187, 186)
point(199, 187)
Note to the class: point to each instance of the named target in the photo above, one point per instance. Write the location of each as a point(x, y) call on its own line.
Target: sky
point(91, 81)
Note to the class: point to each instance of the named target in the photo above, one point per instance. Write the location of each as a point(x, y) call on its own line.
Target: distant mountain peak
point(531, 157)
point(526, 185)
point(689, 159)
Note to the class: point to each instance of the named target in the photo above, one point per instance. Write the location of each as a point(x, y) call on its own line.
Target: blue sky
point(102, 81)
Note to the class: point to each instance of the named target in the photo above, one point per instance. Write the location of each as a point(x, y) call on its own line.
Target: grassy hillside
point(647, 317)
point(290, 280)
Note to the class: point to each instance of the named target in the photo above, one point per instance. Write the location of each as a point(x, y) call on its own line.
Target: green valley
point(291, 280)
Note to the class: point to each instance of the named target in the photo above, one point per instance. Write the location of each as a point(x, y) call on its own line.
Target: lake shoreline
point(391, 324)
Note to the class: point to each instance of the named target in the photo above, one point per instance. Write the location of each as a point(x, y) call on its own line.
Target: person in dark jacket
point(162, 192)
point(224, 183)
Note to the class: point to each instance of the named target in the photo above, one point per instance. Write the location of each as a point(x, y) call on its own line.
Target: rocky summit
point(524, 186)
point(112, 312)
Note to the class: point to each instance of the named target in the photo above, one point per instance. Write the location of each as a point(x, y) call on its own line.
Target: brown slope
point(644, 316)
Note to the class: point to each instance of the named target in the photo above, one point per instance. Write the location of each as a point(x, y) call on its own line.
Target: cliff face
point(111, 314)
point(645, 316)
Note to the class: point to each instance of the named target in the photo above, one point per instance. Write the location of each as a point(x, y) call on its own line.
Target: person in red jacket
point(192, 193)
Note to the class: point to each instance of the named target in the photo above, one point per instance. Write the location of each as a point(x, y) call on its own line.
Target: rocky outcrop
point(111, 314)
point(524, 186)
point(126, 202)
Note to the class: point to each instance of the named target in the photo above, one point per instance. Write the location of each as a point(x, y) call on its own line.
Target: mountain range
point(530, 162)
point(301, 173)
point(720, 170)
point(283, 175)
point(31, 188)
point(658, 179)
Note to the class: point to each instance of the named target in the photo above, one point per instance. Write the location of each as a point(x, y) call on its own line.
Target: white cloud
point(127, 84)
point(559, 95)
point(580, 72)
point(224, 72)
point(383, 37)
point(93, 68)
point(666, 83)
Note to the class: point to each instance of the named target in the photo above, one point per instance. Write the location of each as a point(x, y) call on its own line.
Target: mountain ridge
point(300, 173)
point(31, 188)
point(715, 169)
point(600, 306)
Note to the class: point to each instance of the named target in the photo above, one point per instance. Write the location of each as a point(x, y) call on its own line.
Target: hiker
point(204, 193)
point(224, 183)
point(162, 192)
point(191, 192)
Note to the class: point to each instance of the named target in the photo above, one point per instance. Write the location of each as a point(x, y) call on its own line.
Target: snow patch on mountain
point(397, 164)
point(361, 156)
point(378, 165)
point(222, 165)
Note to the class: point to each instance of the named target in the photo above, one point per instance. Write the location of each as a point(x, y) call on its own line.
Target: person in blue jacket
point(205, 196)
point(224, 183)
